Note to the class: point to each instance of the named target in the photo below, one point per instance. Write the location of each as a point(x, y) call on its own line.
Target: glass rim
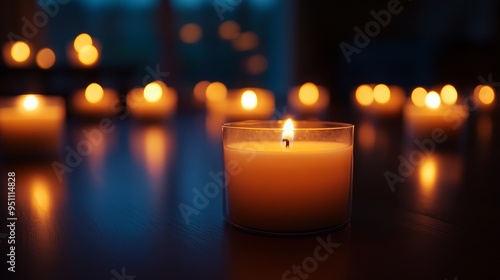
point(299, 125)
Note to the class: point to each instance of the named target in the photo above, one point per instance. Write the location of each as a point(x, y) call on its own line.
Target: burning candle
point(484, 97)
point(428, 111)
point(309, 99)
point(153, 102)
point(245, 103)
point(380, 100)
point(288, 177)
point(31, 123)
point(84, 51)
point(95, 101)
point(17, 54)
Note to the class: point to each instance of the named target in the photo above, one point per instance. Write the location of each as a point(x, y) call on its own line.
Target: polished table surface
point(116, 214)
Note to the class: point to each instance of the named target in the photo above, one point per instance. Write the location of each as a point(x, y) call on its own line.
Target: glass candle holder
point(292, 177)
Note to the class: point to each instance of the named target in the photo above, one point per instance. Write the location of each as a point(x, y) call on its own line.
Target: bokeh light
point(190, 33)
point(30, 102)
point(256, 64)
point(94, 93)
point(249, 100)
point(432, 100)
point(216, 92)
point(88, 55)
point(364, 95)
point(449, 95)
point(308, 94)
point(229, 30)
point(247, 41)
point(418, 96)
point(381, 94)
point(199, 90)
point(486, 95)
point(20, 51)
point(81, 41)
point(153, 92)
point(45, 58)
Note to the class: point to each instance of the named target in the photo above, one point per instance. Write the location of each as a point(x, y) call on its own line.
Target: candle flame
point(88, 55)
point(94, 93)
point(432, 100)
point(81, 41)
point(418, 96)
point(287, 135)
point(20, 51)
point(153, 92)
point(364, 95)
point(486, 95)
point(216, 92)
point(449, 95)
point(308, 94)
point(249, 100)
point(30, 102)
point(381, 94)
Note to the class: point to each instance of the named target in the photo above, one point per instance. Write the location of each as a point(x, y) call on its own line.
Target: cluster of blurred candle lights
point(422, 111)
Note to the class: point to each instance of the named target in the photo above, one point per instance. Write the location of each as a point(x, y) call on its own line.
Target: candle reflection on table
point(152, 146)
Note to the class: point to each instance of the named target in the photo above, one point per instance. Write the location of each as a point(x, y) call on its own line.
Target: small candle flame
point(308, 94)
point(249, 100)
point(381, 94)
point(94, 93)
point(449, 95)
point(287, 136)
point(432, 100)
point(30, 103)
point(418, 96)
point(153, 92)
point(486, 95)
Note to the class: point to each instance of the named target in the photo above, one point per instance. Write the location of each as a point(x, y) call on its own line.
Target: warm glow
point(432, 100)
point(190, 33)
point(287, 135)
point(381, 94)
point(153, 92)
point(88, 55)
point(155, 146)
point(20, 51)
point(486, 95)
point(229, 30)
point(81, 41)
point(418, 96)
point(249, 100)
point(256, 64)
point(364, 95)
point(449, 95)
point(246, 41)
point(216, 92)
point(428, 172)
point(366, 135)
point(45, 58)
point(308, 94)
point(41, 198)
point(94, 93)
point(30, 102)
point(199, 90)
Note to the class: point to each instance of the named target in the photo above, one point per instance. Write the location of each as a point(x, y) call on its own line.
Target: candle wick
point(287, 142)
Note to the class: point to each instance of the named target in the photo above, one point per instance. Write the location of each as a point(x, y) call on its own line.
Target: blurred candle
point(380, 100)
point(309, 99)
point(244, 103)
point(95, 101)
point(45, 58)
point(429, 111)
point(156, 101)
point(17, 54)
point(31, 123)
point(484, 97)
point(84, 51)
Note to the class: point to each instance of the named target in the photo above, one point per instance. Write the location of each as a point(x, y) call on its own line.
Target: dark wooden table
point(116, 214)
